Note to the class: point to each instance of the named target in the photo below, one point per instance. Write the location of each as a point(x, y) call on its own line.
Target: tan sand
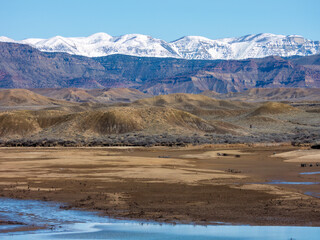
point(301, 156)
point(191, 185)
point(214, 154)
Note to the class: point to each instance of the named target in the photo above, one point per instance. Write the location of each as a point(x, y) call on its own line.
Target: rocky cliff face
point(22, 66)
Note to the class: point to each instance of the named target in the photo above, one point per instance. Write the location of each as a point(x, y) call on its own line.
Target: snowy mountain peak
point(192, 38)
point(6, 39)
point(98, 37)
point(188, 47)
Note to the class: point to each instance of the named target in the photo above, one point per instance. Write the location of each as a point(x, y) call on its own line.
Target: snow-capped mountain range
point(189, 47)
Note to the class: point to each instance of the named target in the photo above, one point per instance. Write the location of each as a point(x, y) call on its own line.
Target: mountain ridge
point(187, 47)
point(22, 66)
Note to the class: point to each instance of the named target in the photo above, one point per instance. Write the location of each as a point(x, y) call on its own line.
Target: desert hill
point(190, 102)
point(149, 119)
point(115, 120)
point(270, 94)
point(165, 119)
point(197, 104)
point(24, 97)
point(17, 124)
point(274, 108)
point(67, 94)
point(110, 95)
point(113, 95)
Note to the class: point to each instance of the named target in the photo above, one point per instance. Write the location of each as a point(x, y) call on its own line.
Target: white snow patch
point(188, 47)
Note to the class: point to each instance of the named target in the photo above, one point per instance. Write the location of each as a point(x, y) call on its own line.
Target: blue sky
point(163, 19)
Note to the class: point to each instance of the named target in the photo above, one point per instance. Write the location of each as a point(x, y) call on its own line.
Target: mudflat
point(205, 184)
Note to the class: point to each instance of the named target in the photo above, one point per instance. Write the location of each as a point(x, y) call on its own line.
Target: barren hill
point(68, 94)
point(164, 119)
point(273, 108)
point(110, 95)
point(190, 102)
point(116, 120)
point(117, 95)
point(270, 94)
point(23, 97)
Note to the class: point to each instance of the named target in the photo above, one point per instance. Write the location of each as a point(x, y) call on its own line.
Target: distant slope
point(111, 95)
point(24, 67)
point(270, 94)
point(190, 102)
point(199, 105)
point(271, 108)
point(23, 97)
point(312, 62)
point(68, 94)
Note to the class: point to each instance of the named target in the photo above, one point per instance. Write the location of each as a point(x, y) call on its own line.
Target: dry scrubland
point(30, 119)
point(207, 160)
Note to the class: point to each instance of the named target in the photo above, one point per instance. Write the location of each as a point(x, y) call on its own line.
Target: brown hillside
point(23, 97)
point(67, 94)
point(118, 95)
point(149, 119)
point(52, 123)
point(274, 108)
point(189, 102)
point(18, 123)
point(272, 94)
point(111, 121)
point(111, 95)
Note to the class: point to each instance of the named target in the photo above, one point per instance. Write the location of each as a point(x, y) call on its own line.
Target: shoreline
point(154, 229)
point(136, 184)
point(61, 228)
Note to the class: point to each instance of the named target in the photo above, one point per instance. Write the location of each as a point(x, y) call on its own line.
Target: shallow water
point(313, 194)
point(135, 231)
point(86, 225)
point(292, 183)
point(309, 173)
point(40, 212)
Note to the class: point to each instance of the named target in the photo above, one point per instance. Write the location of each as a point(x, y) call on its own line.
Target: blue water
point(135, 231)
point(309, 173)
point(313, 194)
point(40, 212)
point(292, 183)
point(83, 225)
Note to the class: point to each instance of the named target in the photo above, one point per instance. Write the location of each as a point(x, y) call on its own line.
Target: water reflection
point(309, 173)
point(86, 225)
point(292, 183)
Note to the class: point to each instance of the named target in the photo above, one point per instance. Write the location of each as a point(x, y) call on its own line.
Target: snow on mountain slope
point(189, 47)
point(6, 39)
point(102, 44)
point(250, 46)
point(195, 47)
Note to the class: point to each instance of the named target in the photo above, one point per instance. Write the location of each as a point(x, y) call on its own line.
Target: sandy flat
point(189, 185)
point(214, 154)
point(104, 164)
point(300, 156)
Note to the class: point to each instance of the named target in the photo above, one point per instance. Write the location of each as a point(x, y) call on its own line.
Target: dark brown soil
point(202, 202)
